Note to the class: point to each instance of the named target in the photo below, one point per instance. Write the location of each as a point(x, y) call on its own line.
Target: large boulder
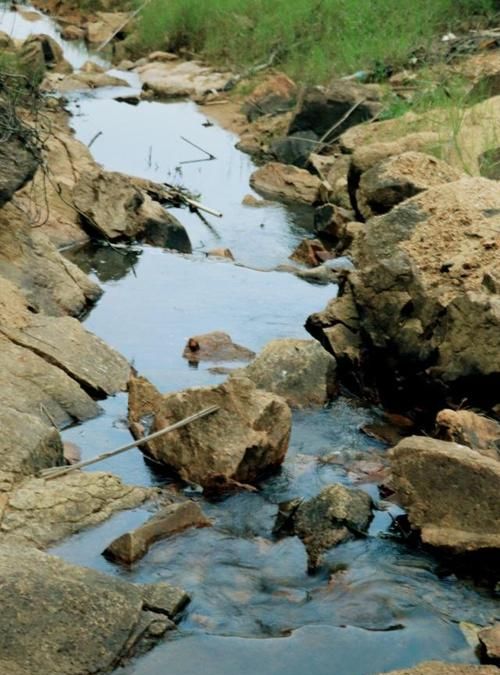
point(59, 619)
point(426, 287)
point(41, 52)
point(42, 512)
point(18, 161)
point(468, 428)
point(335, 515)
point(300, 371)
point(398, 178)
point(246, 438)
point(450, 492)
point(336, 108)
point(276, 94)
point(287, 183)
point(104, 25)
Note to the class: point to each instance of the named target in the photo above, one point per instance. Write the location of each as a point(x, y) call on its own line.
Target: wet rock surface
point(41, 512)
point(300, 371)
point(335, 515)
point(79, 620)
point(172, 519)
point(247, 437)
point(215, 346)
point(433, 480)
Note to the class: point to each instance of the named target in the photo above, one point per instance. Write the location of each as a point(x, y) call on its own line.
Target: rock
point(80, 81)
point(160, 228)
point(132, 546)
point(246, 438)
point(18, 161)
point(251, 200)
point(398, 178)
point(330, 223)
point(49, 282)
point(287, 183)
point(105, 25)
point(72, 33)
point(72, 453)
point(276, 94)
point(333, 516)
point(320, 108)
point(39, 52)
point(439, 668)
point(65, 343)
point(311, 252)
point(27, 445)
point(126, 65)
point(42, 512)
point(300, 371)
point(221, 253)
point(32, 385)
point(180, 80)
point(489, 639)
point(294, 149)
point(433, 480)
point(424, 281)
point(81, 621)
point(215, 346)
point(162, 56)
point(92, 67)
point(468, 428)
point(334, 169)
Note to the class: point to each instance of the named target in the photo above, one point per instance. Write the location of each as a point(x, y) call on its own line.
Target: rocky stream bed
point(309, 567)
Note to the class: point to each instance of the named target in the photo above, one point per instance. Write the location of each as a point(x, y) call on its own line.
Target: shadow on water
point(374, 604)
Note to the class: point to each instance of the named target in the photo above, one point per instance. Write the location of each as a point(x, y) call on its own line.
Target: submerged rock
point(246, 438)
point(300, 371)
point(288, 183)
point(42, 512)
point(215, 346)
point(59, 619)
point(335, 515)
point(172, 519)
point(450, 493)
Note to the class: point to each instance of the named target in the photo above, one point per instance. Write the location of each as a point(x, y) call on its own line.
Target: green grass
point(315, 39)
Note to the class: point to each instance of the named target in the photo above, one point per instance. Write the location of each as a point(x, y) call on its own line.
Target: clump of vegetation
point(313, 39)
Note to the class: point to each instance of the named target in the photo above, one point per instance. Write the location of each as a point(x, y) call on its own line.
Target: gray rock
point(18, 161)
point(294, 149)
point(247, 437)
point(300, 371)
point(58, 619)
point(450, 493)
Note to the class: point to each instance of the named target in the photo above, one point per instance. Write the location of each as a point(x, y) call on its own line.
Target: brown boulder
point(300, 371)
point(54, 82)
point(246, 438)
point(331, 223)
point(174, 518)
point(40, 52)
point(311, 252)
point(215, 346)
point(276, 94)
point(450, 493)
point(287, 183)
point(72, 32)
point(489, 639)
point(105, 24)
point(180, 79)
point(468, 428)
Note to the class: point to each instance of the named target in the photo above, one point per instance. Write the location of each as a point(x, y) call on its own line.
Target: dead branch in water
point(57, 471)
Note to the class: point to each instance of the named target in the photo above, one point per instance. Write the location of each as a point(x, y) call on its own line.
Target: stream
point(376, 604)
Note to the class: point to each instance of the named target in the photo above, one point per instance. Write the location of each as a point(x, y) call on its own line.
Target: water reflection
point(107, 263)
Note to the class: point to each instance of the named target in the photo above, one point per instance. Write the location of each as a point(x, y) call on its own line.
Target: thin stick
point(94, 139)
point(55, 472)
point(200, 207)
point(208, 154)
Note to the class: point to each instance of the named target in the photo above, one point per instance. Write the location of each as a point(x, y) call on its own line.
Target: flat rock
point(242, 441)
point(81, 621)
point(172, 519)
point(42, 512)
point(300, 371)
point(215, 346)
point(287, 183)
point(468, 428)
point(181, 79)
point(450, 493)
point(64, 342)
point(81, 80)
point(441, 668)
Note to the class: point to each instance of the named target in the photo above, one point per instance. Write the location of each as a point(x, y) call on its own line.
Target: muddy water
point(375, 604)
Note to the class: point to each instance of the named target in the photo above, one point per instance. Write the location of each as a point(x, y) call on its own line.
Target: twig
point(208, 154)
point(55, 472)
point(48, 415)
point(340, 121)
point(94, 139)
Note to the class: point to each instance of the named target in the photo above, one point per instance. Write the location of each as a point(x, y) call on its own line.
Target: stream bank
point(244, 584)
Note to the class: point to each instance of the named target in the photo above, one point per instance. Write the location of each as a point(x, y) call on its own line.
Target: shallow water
point(374, 604)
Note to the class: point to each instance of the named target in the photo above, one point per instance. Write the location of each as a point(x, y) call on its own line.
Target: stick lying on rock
point(57, 471)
